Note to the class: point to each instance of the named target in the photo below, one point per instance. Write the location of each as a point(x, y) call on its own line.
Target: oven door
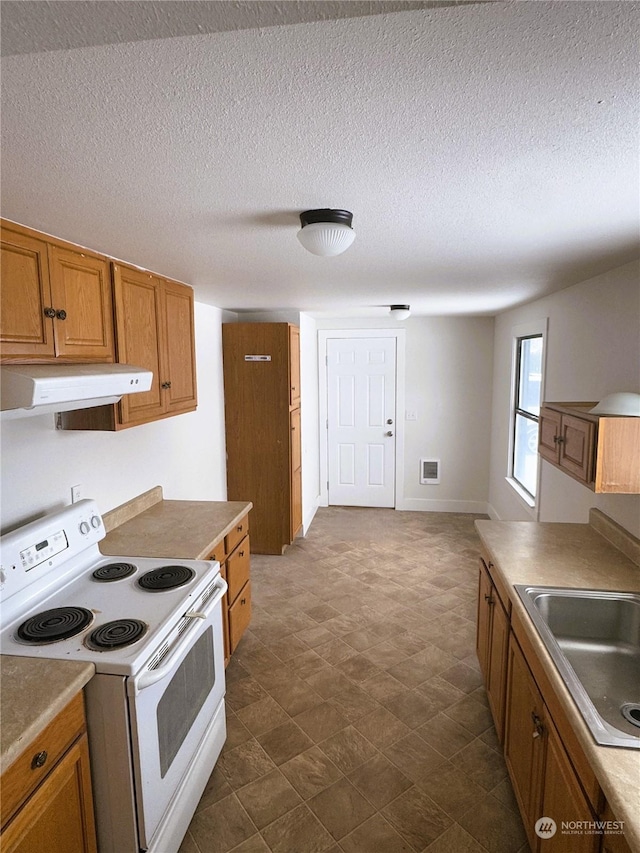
point(171, 705)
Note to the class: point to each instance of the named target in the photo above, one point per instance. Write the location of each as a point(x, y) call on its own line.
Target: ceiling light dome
point(399, 312)
point(325, 231)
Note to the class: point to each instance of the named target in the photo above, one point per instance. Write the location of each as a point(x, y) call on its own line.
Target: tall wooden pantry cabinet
point(262, 415)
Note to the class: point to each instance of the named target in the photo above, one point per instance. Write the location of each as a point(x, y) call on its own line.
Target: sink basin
point(593, 637)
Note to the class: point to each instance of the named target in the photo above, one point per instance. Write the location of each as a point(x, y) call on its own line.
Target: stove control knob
point(84, 527)
point(95, 521)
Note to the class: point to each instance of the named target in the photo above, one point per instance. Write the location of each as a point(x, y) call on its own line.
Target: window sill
point(526, 499)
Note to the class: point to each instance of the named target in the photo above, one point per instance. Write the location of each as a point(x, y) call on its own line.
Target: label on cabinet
point(257, 358)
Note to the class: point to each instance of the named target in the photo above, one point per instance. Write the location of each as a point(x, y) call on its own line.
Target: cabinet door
point(497, 678)
point(564, 799)
point(81, 290)
point(483, 625)
point(238, 569)
point(58, 817)
point(524, 739)
point(296, 473)
point(25, 331)
point(178, 377)
point(138, 334)
point(577, 446)
point(294, 366)
point(239, 616)
point(549, 430)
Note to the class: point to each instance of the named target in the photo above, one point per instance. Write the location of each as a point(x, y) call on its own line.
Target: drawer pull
point(241, 553)
point(39, 759)
point(239, 528)
point(243, 601)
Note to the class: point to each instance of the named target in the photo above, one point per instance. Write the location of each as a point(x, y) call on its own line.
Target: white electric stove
point(153, 630)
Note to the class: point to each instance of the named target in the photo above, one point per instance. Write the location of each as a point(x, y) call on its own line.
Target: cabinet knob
point(538, 728)
point(61, 314)
point(488, 599)
point(39, 759)
point(166, 385)
point(50, 313)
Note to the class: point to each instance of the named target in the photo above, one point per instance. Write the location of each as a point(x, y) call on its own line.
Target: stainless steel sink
point(593, 637)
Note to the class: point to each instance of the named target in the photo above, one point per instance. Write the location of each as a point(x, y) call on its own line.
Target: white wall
point(448, 384)
point(309, 420)
point(184, 454)
point(592, 349)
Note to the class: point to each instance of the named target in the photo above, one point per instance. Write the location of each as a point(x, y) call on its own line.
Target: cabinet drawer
point(218, 553)
point(238, 565)
point(26, 773)
point(236, 534)
point(239, 616)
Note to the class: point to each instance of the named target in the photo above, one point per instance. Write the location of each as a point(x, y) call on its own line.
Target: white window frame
point(531, 329)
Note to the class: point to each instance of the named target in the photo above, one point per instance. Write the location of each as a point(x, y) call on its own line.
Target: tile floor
point(357, 722)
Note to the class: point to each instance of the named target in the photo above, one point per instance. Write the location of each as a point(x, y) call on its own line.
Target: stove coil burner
point(166, 577)
point(116, 634)
point(113, 572)
point(60, 623)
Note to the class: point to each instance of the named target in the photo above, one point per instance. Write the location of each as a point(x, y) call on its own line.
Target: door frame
point(323, 337)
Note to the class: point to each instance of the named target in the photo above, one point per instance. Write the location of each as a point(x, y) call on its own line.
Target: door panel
point(137, 298)
point(81, 285)
point(361, 384)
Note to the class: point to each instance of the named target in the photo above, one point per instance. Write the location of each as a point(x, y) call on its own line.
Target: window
point(526, 412)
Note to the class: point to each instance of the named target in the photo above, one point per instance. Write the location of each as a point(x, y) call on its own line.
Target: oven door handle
point(152, 676)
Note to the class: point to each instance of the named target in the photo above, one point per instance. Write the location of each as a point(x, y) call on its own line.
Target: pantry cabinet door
point(138, 322)
point(25, 330)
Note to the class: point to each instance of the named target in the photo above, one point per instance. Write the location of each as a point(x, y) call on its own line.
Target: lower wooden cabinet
point(46, 793)
point(234, 555)
point(491, 645)
point(545, 781)
point(613, 841)
point(563, 798)
point(524, 740)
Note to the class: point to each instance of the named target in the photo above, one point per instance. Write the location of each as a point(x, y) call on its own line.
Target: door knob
point(389, 433)
point(390, 420)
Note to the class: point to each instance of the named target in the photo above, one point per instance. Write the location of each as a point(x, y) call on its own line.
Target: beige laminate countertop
point(34, 691)
point(571, 555)
point(186, 529)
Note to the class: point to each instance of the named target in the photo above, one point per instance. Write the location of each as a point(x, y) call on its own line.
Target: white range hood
point(35, 389)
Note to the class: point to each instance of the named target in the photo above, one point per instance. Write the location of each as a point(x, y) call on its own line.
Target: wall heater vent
point(430, 471)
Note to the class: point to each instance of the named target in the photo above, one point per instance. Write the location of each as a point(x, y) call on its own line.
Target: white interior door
point(361, 418)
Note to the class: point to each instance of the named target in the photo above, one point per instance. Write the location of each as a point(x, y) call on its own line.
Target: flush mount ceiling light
point(399, 312)
point(325, 231)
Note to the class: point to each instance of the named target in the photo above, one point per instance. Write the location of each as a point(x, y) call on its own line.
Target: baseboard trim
point(424, 505)
point(306, 523)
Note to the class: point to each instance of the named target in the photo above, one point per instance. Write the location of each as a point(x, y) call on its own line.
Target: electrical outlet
point(76, 494)
point(411, 416)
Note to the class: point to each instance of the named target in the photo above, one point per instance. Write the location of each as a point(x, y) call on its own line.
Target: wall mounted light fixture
point(325, 231)
point(399, 312)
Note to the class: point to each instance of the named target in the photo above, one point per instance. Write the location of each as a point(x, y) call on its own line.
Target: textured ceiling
point(489, 152)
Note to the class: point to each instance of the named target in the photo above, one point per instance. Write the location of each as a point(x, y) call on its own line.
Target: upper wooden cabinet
point(600, 451)
point(56, 301)
point(262, 415)
point(155, 330)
